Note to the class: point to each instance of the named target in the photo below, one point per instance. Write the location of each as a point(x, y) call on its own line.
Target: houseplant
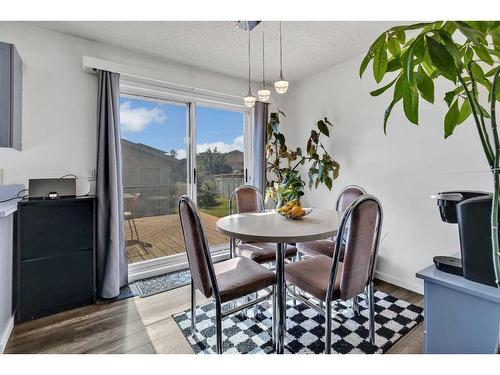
point(417, 55)
point(287, 186)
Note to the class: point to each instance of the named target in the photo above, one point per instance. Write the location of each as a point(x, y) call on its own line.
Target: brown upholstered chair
point(224, 281)
point(328, 280)
point(249, 199)
point(325, 247)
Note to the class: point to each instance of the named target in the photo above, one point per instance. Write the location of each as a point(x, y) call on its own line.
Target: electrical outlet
point(91, 176)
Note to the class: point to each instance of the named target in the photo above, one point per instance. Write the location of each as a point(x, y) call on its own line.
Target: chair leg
point(328, 327)
point(136, 232)
point(355, 305)
point(218, 327)
point(231, 247)
point(193, 309)
point(273, 325)
point(255, 307)
point(131, 231)
point(371, 312)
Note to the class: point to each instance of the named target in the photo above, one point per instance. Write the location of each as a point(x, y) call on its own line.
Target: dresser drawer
point(55, 228)
point(54, 284)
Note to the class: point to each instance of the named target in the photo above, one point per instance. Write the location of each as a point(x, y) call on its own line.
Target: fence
point(226, 183)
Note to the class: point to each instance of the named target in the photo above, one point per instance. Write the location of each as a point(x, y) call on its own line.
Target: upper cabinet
point(11, 78)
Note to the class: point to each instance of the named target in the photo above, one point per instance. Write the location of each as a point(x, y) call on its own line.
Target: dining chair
point(329, 280)
point(249, 199)
point(130, 204)
point(325, 247)
point(224, 281)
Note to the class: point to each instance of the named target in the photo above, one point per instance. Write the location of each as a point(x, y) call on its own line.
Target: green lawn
point(220, 210)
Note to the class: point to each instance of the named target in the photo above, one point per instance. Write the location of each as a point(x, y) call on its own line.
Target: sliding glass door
point(220, 164)
point(173, 148)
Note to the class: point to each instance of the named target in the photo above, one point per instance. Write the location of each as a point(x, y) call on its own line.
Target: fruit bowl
point(293, 210)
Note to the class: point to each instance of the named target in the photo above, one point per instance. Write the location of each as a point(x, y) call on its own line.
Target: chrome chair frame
point(355, 302)
point(232, 242)
point(337, 203)
point(219, 314)
point(325, 307)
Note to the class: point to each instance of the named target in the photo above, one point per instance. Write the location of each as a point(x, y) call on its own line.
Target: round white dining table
point(269, 226)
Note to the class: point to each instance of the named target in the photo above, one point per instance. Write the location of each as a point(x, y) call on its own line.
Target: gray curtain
point(259, 142)
point(111, 257)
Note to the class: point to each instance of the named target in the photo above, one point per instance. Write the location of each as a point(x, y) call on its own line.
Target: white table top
point(269, 226)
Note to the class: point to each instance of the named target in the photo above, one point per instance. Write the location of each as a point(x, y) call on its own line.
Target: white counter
point(6, 260)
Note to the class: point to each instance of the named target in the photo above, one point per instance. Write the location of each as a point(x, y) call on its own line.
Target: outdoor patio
point(161, 236)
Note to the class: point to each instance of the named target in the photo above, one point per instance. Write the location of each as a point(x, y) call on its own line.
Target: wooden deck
point(161, 236)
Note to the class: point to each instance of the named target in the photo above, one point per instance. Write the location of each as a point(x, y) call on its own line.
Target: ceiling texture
point(308, 46)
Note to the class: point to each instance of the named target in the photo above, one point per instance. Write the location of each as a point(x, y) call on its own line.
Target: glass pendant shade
point(249, 99)
point(281, 86)
point(264, 95)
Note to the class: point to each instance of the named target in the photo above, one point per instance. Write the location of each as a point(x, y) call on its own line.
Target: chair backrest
point(198, 252)
point(347, 196)
point(362, 241)
point(248, 199)
point(131, 203)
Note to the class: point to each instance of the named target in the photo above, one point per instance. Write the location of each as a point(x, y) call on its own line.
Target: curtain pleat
point(111, 259)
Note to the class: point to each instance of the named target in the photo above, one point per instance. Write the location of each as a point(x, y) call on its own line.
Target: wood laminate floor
point(142, 325)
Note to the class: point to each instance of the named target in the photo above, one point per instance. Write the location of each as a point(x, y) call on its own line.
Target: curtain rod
point(92, 65)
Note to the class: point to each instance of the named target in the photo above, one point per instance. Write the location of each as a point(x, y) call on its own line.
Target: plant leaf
point(393, 46)
point(408, 62)
point(473, 34)
point(388, 113)
point(381, 90)
point(442, 59)
point(401, 36)
point(483, 54)
point(364, 64)
point(323, 128)
point(410, 103)
point(393, 64)
point(465, 112)
point(425, 85)
point(379, 63)
point(398, 88)
point(478, 74)
point(451, 119)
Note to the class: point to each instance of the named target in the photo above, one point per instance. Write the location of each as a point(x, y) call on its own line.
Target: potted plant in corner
point(465, 53)
point(283, 162)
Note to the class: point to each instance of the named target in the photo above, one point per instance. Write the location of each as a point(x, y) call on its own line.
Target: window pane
point(220, 164)
point(154, 176)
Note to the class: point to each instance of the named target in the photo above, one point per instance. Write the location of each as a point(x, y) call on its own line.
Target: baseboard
point(414, 287)
point(5, 335)
point(160, 266)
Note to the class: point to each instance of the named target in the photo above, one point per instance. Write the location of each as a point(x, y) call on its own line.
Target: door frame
point(142, 91)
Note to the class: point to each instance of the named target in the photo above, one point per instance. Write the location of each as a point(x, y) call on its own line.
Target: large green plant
point(465, 53)
point(283, 162)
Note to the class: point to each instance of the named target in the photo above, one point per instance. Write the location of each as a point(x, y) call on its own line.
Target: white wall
point(402, 169)
point(59, 99)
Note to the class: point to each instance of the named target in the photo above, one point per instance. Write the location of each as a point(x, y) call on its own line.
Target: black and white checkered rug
point(305, 328)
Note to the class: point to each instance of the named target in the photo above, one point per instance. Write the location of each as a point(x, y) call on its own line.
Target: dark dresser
point(54, 267)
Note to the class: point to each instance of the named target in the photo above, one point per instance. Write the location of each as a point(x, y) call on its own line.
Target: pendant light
point(264, 94)
point(281, 85)
point(249, 99)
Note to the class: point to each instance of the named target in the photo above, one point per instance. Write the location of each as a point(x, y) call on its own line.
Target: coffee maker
point(471, 210)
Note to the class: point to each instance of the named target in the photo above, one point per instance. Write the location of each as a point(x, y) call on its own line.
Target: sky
point(163, 126)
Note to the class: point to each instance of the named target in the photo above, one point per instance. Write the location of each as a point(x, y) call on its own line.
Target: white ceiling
point(309, 46)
